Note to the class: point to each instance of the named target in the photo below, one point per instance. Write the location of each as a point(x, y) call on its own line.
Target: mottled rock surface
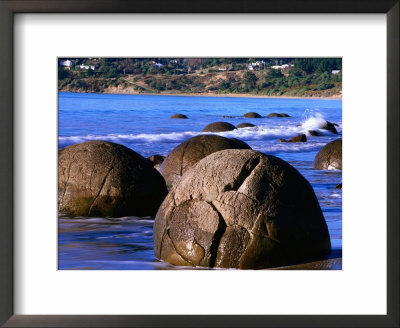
point(330, 156)
point(179, 116)
point(240, 209)
point(252, 115)
point(219, 127)
point(245, 125)
point(98, 178)
point(188, 153)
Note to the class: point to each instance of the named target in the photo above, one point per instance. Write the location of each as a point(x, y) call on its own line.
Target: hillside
point(263, 77)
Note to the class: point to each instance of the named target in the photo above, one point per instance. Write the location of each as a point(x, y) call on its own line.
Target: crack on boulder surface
point(102, 185)
point(181, 255)
point(245, 172)
point(217, 236)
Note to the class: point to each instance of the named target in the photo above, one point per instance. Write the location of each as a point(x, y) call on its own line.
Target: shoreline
point(226, 95)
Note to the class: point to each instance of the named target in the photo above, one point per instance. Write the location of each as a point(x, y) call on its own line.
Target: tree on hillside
point(250, 79)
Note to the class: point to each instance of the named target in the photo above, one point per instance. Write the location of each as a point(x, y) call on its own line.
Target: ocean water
point(142, 123)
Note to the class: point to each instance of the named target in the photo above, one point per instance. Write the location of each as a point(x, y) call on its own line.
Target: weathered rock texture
point(245, 125)
point(252, 115)
point(178, 116)
point(188, 153)
point(98, 178)
point(240, 209)
point(330, 156)
point(219, 127)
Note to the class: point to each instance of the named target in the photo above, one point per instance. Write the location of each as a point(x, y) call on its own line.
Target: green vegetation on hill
point(258, 76)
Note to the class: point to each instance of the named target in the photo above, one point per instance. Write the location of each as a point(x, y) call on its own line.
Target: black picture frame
point(10, 7)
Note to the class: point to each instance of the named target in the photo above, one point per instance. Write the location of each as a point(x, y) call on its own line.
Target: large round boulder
point(99, 178)
point(240, 209)
point(219, 127)
point(245, 125)
point(330, 156)
point(188, 153)
point(252, 115)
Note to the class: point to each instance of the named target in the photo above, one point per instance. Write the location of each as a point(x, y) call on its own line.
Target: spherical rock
point(178, 116)
point(245, 125)
point(188, 153)
point(240, 209)
point(330, 156)
point(219, 127)
point(99, 178)
point(252, 115)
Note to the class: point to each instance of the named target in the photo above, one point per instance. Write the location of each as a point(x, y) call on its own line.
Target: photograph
point(184, 163)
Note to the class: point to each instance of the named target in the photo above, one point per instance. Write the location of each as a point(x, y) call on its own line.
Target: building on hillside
point(67, 64)
point(335, 72)
point(86, 67)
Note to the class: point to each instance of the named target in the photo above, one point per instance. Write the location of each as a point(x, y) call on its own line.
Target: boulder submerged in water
point(252, 115)
point(278, 115)
point(179, 116)
point(99, 178)
point(330, 156)
point(240, 209)
point(188, 153)
point(219, 127)
point(245, 125)
point(299, 138)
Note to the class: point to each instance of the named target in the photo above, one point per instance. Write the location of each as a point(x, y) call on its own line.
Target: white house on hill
point(66, 63)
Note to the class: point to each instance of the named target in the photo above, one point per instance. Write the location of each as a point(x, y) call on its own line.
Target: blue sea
point(142, 123)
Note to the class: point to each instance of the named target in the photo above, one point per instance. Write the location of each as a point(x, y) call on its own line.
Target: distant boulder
point(240, 209)
point(278, 115)
point(99, 178)
point(329, 127)
point(188, 153)
point(245, 125)
point(227, 116)
point(179, 116)
point(314, 133)
point(252, 115)
point(156, 160)
point(219, 127)
point(330, 156)
point(299, 138)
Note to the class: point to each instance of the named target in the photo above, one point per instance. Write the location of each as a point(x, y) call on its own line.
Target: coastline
point(206, 94)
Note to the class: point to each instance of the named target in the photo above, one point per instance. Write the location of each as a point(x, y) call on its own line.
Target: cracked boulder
point(240, 209)
point(98, 178)
point(188, 153)
point(330, 156)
